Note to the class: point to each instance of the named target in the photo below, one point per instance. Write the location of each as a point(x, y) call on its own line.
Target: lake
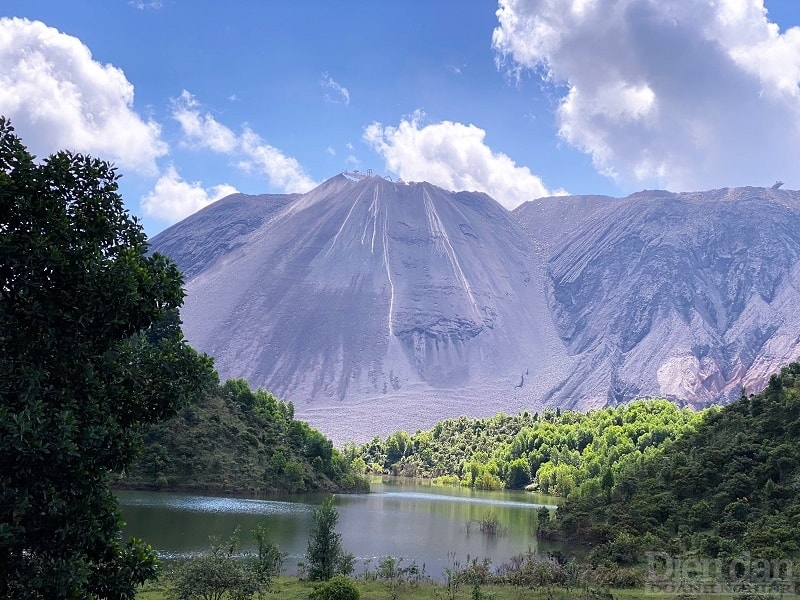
point(409, 519)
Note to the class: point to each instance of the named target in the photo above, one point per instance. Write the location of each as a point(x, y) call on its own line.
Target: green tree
point(325, 554)
point(91, 349)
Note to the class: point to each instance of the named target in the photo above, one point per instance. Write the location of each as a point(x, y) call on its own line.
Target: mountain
point(691, 296)
point(376, 305)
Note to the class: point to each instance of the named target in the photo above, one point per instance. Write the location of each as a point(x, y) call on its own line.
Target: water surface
point(430, 525)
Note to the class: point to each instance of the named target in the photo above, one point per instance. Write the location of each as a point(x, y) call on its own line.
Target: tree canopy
point(235, 440)
point(729, 486)
point(561, 453)
point(91, 350)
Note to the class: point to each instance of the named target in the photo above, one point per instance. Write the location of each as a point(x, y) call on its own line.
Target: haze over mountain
point(376, 305)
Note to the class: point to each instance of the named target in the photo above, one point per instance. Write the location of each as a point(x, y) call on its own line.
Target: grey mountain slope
point(403, 300)
point(376, 306)
point(687, 296)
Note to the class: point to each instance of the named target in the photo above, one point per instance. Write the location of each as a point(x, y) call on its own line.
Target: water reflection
point(210, 504)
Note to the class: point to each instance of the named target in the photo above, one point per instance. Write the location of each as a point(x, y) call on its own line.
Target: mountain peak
point(404, 303)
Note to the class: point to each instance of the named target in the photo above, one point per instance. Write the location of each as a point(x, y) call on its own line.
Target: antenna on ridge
point(357, 175)
point(777, 184)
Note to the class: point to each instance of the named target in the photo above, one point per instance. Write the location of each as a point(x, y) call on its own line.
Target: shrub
point(336, 588)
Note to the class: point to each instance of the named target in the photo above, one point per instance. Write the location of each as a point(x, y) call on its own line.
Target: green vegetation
point(528, 576)
point(291, 588)
point(241, 442)
point(339, 587)
point(222, 573)
point(730, 486)
point(93, 353)
point(325, 556)
point(91, 350)
point(557, 453)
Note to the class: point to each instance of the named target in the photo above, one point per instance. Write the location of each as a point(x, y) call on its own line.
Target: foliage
point(325, 556)
point(559, 453)
point(236, 440)
point(287, 587)
point(92, 349)
point(222, 573)
point(268, 560)
point(339, 587)
point(730, 486)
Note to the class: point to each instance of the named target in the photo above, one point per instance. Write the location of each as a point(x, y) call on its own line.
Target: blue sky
point(518, 98)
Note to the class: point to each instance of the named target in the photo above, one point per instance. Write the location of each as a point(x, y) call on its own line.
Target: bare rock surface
point(375, 305)
point(686, 295)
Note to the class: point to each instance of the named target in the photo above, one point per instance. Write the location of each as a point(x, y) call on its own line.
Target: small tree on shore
point(325, 554)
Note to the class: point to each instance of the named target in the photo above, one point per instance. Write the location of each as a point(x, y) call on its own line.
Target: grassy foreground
point(286, 587)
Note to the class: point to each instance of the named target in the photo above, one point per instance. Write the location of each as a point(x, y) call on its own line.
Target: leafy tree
point(91, 349)
point(325, 554)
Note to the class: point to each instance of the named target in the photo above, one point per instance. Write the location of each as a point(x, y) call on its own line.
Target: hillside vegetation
point(560, 453)
point(239, 441)
point(730, 485)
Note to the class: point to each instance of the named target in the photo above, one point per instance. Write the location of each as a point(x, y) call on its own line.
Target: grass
point(292, 588)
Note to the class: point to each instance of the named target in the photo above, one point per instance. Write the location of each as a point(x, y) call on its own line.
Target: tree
point(325, 554)
point(91, 349)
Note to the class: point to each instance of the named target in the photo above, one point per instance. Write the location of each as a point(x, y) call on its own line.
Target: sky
point(193, 100)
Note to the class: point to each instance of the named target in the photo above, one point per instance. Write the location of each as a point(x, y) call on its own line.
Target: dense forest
point(560, 453)
point(239, 441)
point(729, 485)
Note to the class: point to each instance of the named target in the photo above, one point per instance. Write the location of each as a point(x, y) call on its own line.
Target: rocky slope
point(376, 305)
point(688, 296)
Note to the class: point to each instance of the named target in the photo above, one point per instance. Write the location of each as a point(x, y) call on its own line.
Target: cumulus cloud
point(58, 97)
point(453, 156)
point(335, 93)
point(173, 199)
point(679, 93)
point(250, 152)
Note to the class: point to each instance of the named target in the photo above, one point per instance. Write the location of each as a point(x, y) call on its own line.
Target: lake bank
point(291, 588)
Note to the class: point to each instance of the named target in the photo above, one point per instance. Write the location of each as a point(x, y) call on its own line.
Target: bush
point(336, 588)
point(222, 572)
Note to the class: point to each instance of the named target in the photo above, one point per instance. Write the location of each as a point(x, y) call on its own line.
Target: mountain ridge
point(400, 304)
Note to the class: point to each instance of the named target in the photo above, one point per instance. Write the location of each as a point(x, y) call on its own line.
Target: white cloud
point(453, 156)
point(281, 170)
point(58, 97)
point(154, 4)
point(335, 93)
point(679, 93)
point(173, 199)
point(202, 130)
point(250, 151)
